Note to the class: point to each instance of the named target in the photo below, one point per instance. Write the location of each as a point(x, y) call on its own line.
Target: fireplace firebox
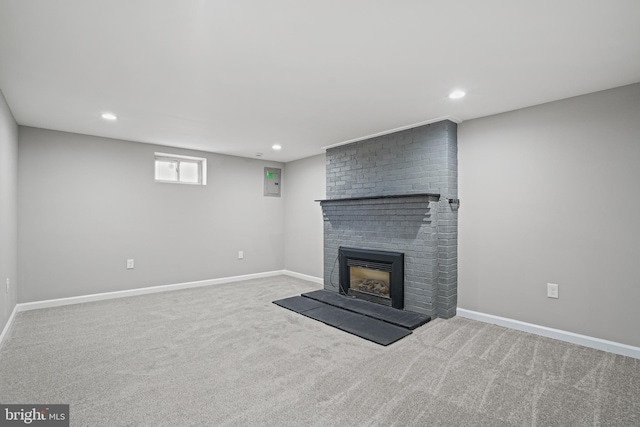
point(376, 276)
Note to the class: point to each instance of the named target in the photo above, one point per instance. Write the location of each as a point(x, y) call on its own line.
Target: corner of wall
point(8, 214)
point(304, 183)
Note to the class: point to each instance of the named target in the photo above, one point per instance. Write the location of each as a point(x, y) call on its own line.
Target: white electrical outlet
point(7, 285)
point(552, 290)
point(129, 263)
point(240, 254)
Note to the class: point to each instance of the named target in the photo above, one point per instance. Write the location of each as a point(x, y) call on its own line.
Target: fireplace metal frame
point(395, 260)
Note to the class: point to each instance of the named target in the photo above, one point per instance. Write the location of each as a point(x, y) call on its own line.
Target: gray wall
point(305, 182)
point(551, 193)
point(88, 203)
point(8, 211)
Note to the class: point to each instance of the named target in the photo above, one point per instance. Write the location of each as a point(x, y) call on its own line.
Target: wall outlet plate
point(552, 290)
point(240, 254)
point(130, 263)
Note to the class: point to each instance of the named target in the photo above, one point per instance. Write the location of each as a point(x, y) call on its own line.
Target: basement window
point(176, 169)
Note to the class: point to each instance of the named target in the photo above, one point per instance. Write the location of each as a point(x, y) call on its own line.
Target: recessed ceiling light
point(457, 94)
point(276, 147)
point(109, 116)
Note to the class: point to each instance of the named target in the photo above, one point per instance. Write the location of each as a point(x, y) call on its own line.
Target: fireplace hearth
point(372, 275)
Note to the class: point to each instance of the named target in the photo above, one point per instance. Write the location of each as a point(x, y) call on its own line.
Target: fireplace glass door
point(365, 282)
point(372, 275)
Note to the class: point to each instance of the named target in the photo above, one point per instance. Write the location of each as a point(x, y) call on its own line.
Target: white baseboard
point(587, 341)
point(304, 276)
point(7, 327)
point(58, 302)
point(140, 291)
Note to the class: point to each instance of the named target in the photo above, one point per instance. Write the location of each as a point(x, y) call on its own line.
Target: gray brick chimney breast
point(421, 160)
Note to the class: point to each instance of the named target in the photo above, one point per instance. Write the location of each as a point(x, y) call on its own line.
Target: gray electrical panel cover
point(272, 182)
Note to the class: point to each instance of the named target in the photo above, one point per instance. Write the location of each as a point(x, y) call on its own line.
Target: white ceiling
point(237, 76)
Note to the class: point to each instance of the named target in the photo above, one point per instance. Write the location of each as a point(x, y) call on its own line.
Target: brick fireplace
point(396, 193)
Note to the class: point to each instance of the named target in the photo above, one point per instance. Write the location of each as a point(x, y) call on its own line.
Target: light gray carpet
point(225, 355)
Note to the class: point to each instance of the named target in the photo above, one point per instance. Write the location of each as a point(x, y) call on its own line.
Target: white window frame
point(201, 162)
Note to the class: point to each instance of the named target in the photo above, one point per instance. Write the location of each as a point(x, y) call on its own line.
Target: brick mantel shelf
point(391, 196)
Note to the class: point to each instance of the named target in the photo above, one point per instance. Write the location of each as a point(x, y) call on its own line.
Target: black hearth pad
point(357, 324)
point(299, 304)
point(406, 319)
